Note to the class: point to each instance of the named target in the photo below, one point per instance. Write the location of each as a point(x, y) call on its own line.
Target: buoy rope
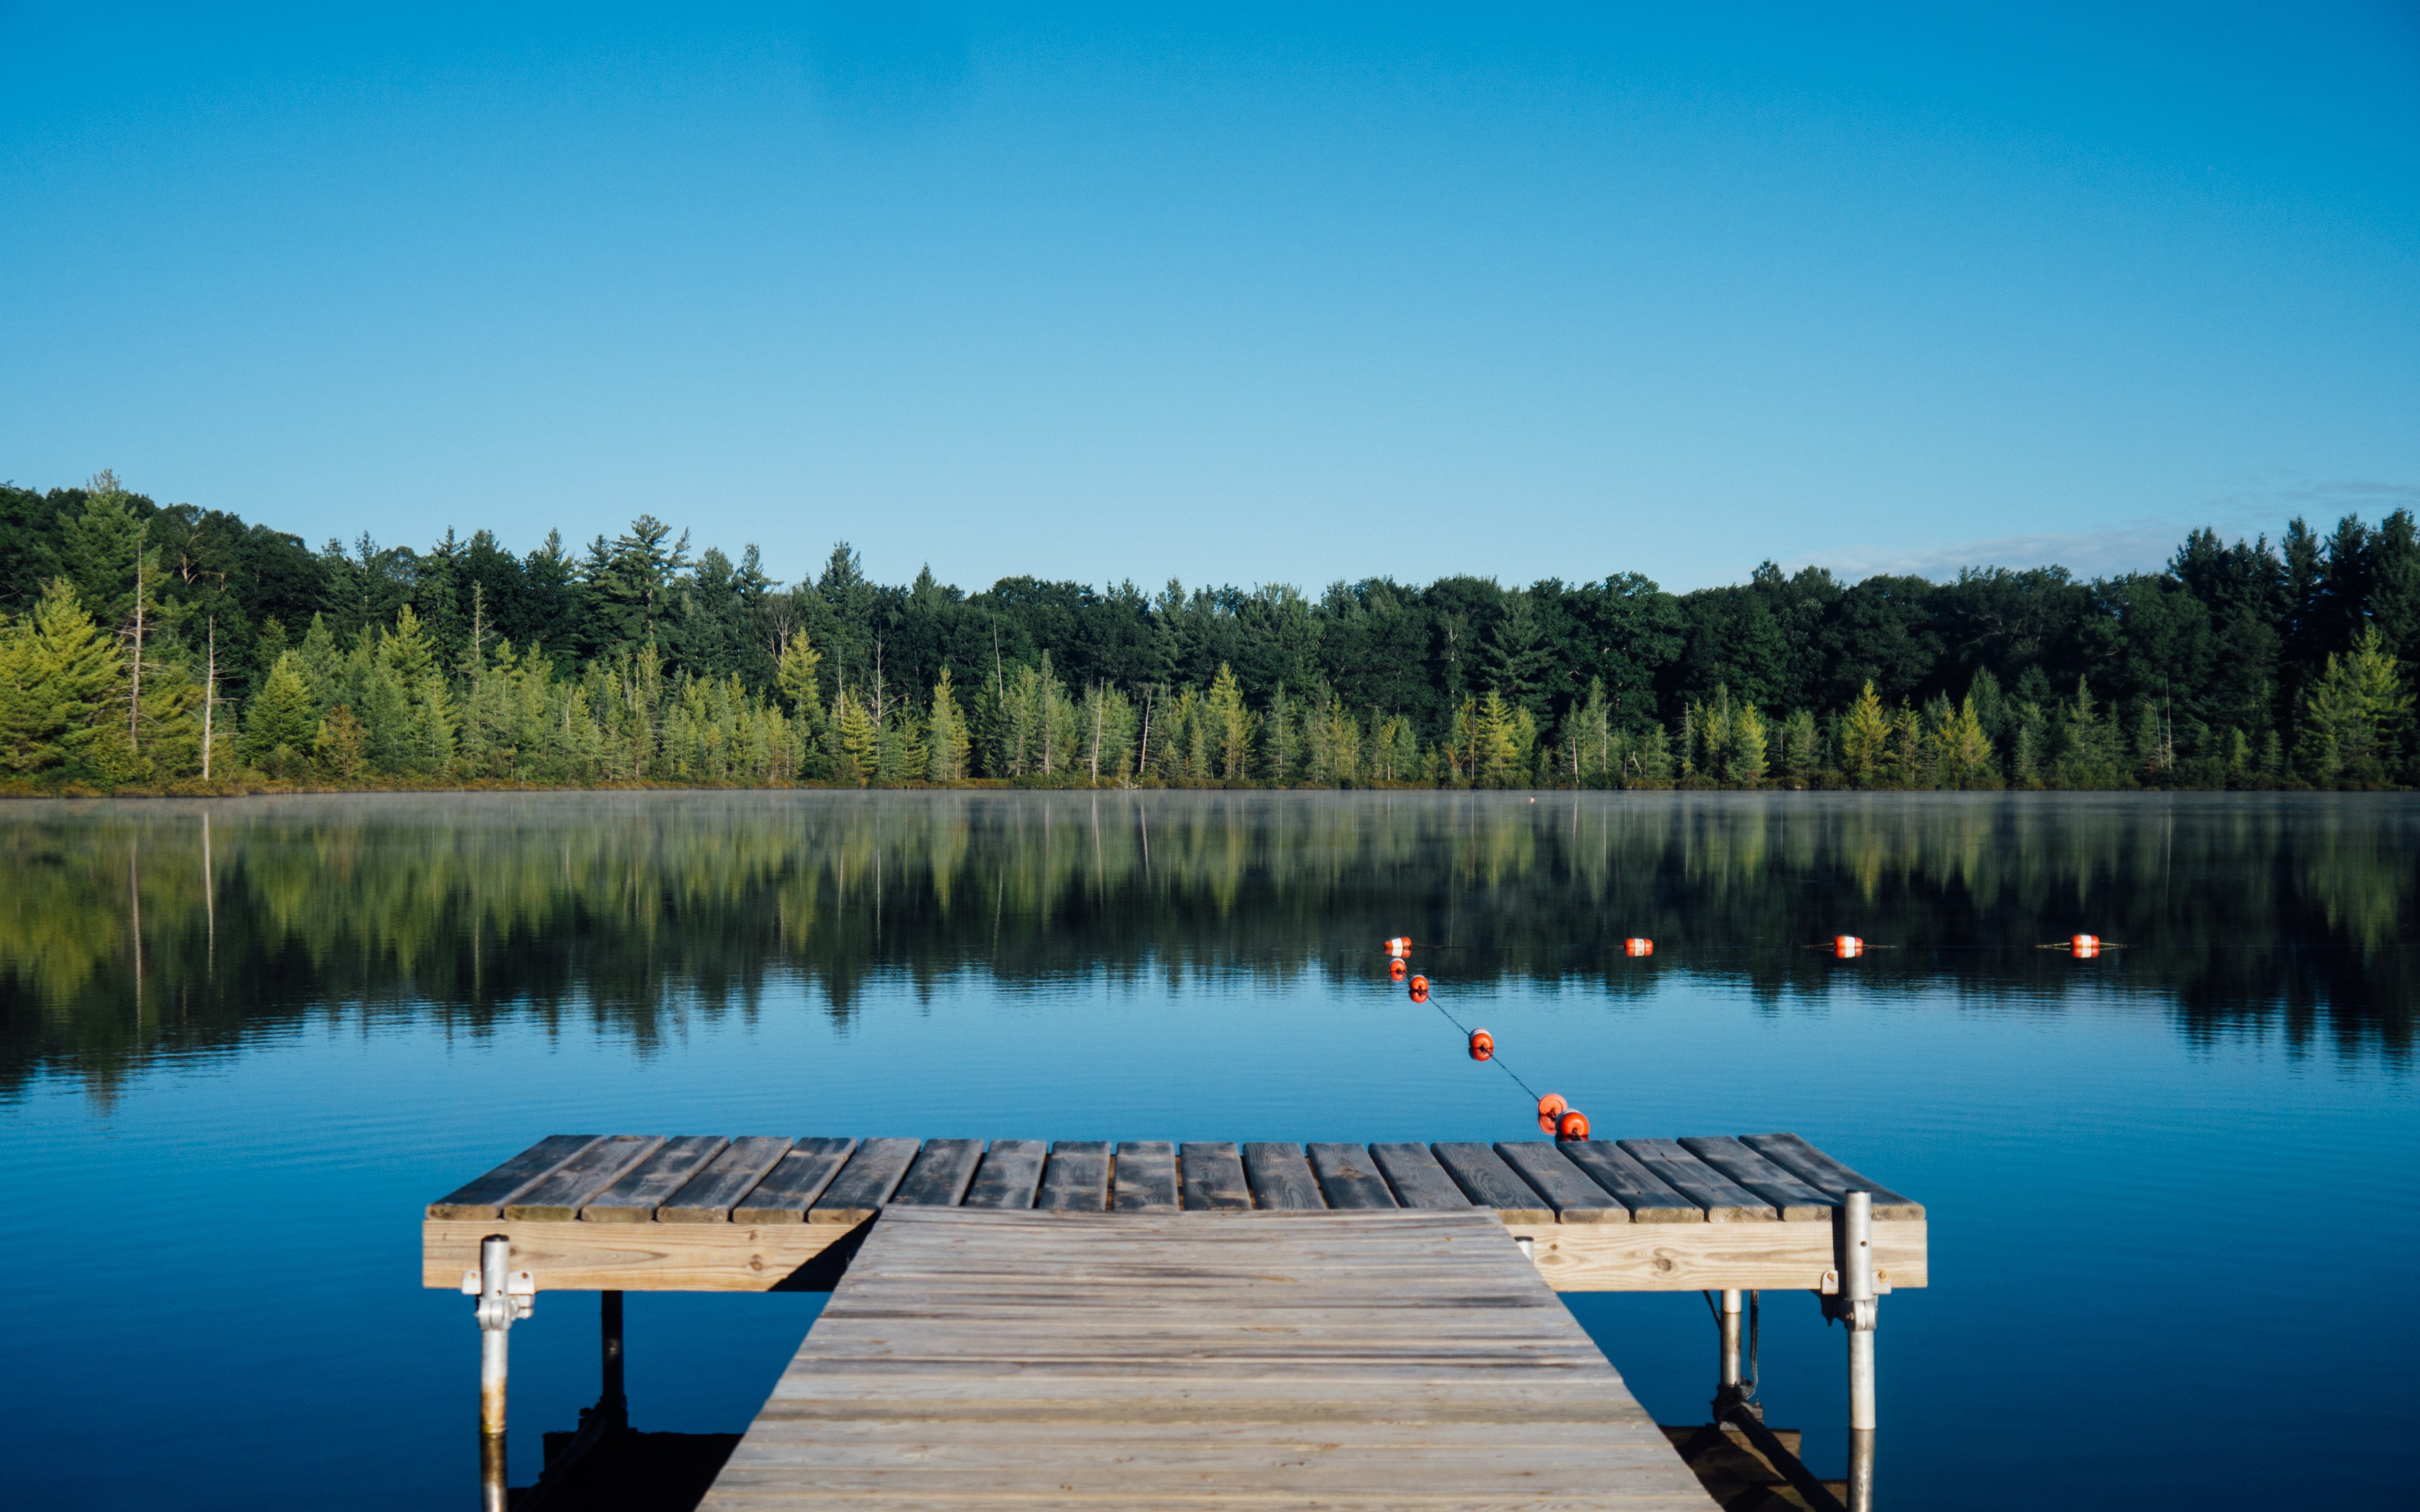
point(1497, 1057)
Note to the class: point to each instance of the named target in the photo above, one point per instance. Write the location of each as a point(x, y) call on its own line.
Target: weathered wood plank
point(1493, 1184)
point(1723, 1201)
point(794, 1183)
point(1419, 1181)
point(1349, 1178)
point(940, 1174)
point(684, 1257)
point(1144, 1177)
point(865, 1183)
point(561, 1192)
point(1575, 1196)
point(1078, 1176)
point(1281, 1180)
point(1212, 1175)
point(1764, 1256)
point(485, 1196)
point(1828, 1175)
point(1009, 1176)
point(1796, 1201)
point(712, 1193)
point(635, 1196)
point(1362, 1359)
point(1631, 1184)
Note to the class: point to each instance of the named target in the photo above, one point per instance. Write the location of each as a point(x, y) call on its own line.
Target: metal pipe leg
point(1727, 1393)
point(1858, 1295)
point(503, 1295)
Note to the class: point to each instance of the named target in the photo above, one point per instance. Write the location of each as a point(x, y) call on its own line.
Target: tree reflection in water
point(134, 930)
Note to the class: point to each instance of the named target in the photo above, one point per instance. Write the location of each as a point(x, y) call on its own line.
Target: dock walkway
point(981, 1359)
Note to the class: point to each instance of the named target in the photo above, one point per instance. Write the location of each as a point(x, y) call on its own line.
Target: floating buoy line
point(1555, 1116)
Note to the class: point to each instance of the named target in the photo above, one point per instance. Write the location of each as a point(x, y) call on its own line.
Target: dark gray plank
point(1349, 1177)
point(791, 1187)
point(1144, 1180)
point(1010, 1172)
point(865, 1183)
point(940, 1177)
point(1481, 1172)
point(559, 1194)
point(1796, 1201)
point(1828, 1175)
point(712, 1193)
point(1631, 1184)
point(643, 1188)
point(484, 1197)
point(1576, 1197)
point(1211, 1176)
point(1723, 1200)
point(1419, 1181)
point(1078, 1178)
point(1281, 1180)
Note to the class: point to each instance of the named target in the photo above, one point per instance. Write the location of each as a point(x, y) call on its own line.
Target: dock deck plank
point(1143, 1178)
point(794, 1183)
point(485, 1196)
point(866, 1182)
point(1493, 1184)
point(1796, 1201)
point(1419, 1181)
point(559, 1194)
point(712, 1193)
point(1076, 1180)
point(1355, 1360)
point(1010, 1173)
point(1211, 1173)
point(942, 1172)
point(1828, 1175)
point(1349, 1178)
point(1723, 1201)
point(1280, 1178)
point(1577, 1199)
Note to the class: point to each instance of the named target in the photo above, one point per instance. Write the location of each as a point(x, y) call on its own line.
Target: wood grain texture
point(565, 1256)
point(1211, 1175)
point(1828, 1175)
point(865, 1183)
point(1419, 1181)
point(1796, 1201)
point(1572, 1194)
point(1765, 1256)
point(1010, 1173)
point(1360, 1360)
point(1280, 1178)
point(485, 1196)
point(939, 1178)
point(1631, 1184)
point(712, 1193)
point(637, 1193)
point(561, 1192)
point(794, 1183)
point(1722, 1200)
point(1493, 1184)
point(1349, 1178)
point(1076, 1180)
point(1143, 1177)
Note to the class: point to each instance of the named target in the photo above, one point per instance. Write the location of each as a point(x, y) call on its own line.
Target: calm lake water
point(2173, 1211)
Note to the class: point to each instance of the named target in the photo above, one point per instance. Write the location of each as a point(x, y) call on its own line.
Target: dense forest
point(170, 648)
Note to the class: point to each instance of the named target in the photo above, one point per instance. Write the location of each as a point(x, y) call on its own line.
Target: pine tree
point(1864, 737)
point(58, 687)
point(947, 738)
point(279, 727)
point(857, 736)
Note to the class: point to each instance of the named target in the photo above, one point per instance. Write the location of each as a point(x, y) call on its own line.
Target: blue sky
point(1227, 294)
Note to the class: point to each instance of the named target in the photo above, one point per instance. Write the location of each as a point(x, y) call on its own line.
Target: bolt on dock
point(1155, 1324)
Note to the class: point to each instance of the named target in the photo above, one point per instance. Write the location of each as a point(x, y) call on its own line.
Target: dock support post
point(611, 1402)
point(503, 1295)
point(1858, 1311)
point(1731, 1392)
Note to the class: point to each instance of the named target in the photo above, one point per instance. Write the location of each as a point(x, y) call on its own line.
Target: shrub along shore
point(172, 649)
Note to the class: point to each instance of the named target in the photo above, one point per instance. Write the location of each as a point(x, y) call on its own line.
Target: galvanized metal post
point(1858, 1307)
point(504, 1294)
point(1731, 1326)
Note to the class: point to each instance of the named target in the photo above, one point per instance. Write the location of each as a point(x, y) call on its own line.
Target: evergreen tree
point(279, 727)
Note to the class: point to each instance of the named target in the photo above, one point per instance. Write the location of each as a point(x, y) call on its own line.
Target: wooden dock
point(1150, 1325)
point(979, 1358)
point(589, 1213)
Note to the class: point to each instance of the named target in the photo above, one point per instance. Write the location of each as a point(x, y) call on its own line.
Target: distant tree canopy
point(147, 645)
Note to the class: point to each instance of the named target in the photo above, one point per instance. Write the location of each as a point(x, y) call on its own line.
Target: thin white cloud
point(2142, 545)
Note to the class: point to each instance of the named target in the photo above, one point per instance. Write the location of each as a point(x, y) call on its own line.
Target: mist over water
point(246, 1041)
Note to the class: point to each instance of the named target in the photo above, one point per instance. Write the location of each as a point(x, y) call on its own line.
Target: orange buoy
point(1482, 1045)
point(1571, 1125)
point(2086, 945)
point(1845, 946)
point(1547, 1123)
point(1638, 947)
point(1400, 945)
point(1395, 969)
point(1552, 1105)
point(1420, 989)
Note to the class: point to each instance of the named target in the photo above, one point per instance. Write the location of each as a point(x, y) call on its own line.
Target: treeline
point(161, 647)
